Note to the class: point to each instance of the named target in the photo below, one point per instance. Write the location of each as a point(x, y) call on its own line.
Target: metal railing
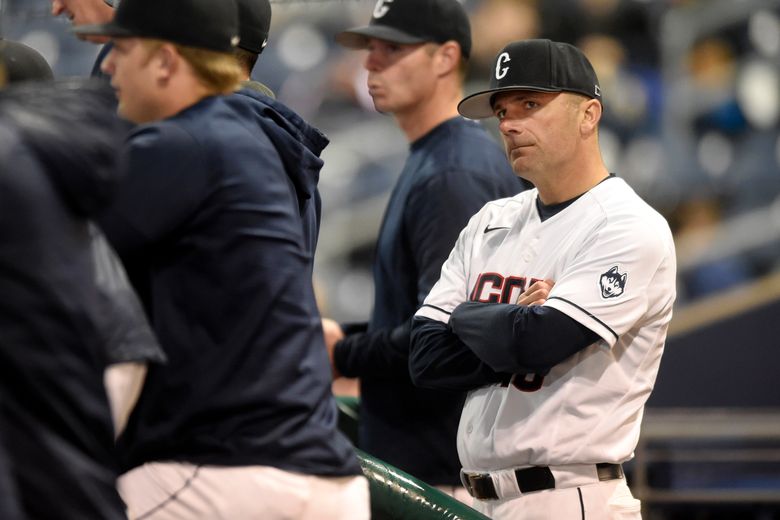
point(396, 495)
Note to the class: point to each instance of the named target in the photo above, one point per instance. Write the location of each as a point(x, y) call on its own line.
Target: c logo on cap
point(380, 9)
point(502, 59)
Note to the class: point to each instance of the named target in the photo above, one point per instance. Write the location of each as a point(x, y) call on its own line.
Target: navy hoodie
point(216, 218)
point(299, 146)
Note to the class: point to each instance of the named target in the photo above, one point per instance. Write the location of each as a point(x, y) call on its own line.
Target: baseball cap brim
point(358, 37)
point(479, 106)
point(111, 29)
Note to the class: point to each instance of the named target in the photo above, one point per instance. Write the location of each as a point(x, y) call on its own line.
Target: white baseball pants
point(168, 491)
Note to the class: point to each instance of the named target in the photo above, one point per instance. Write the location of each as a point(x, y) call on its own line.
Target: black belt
point(537, 478)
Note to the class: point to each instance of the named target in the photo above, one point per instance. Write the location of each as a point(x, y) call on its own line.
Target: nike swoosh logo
point(488, 229)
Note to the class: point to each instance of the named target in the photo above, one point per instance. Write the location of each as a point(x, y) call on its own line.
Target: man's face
point(84, 12)
point(133, 67)
point(400, 76)
point(540, 130)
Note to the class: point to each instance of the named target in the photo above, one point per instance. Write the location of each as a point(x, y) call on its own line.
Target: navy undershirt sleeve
point(382, 353)
point(517, 338)
point(439, 359)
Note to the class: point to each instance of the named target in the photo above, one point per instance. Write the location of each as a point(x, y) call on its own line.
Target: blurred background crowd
point(692, 97)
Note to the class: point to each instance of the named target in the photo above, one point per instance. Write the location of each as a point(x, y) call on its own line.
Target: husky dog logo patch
point(612, 283)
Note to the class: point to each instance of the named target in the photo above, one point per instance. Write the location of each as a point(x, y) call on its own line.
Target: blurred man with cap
point(69, 136)
point(57, 169)
point(86, 12)
point(241, 422)
point(553, 308)
point(416, 60)
point(254, 23)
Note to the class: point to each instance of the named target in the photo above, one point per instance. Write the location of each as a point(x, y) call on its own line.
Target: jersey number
point(495, 288)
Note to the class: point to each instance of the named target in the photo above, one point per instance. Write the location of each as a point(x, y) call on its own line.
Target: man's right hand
point(536, 294)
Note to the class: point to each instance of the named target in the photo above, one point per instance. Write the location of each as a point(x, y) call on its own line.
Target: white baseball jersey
point(613, 262)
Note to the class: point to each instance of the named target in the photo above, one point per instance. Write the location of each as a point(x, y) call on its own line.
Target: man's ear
point(447, 58)
point(591, 115)
point(166, 60)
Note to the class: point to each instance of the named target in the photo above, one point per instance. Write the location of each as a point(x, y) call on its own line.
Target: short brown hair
point(220, 72)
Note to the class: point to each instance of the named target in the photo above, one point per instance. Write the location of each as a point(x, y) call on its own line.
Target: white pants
point(608, 500)
point(168, 491)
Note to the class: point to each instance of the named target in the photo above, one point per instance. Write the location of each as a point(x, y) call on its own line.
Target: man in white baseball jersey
point(553, 307)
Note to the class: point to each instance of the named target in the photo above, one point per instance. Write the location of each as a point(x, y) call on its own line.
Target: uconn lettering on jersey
point(496, 288)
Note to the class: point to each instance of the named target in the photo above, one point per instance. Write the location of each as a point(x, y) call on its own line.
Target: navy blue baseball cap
point(204, 24)
point(254, 22)
point(540, 65)
point(413, 21)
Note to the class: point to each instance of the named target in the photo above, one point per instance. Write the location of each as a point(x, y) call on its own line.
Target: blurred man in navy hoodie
point(241, 422)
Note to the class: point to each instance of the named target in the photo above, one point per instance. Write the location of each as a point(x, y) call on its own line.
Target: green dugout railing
point(396, 495)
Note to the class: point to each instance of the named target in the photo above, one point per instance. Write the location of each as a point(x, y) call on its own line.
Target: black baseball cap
point(413, 21)
point(204, 24)
point(254, 22)
point(540, 65)
point(23, 63)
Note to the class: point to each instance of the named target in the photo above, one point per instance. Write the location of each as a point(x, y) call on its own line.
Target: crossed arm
point(485, 343)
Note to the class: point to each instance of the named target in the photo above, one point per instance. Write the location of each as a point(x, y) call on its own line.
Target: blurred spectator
point(631, 22)
point(493, 24)
point(734, 154)
point(712, 66)
point(695, 224)
point(631, 99)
